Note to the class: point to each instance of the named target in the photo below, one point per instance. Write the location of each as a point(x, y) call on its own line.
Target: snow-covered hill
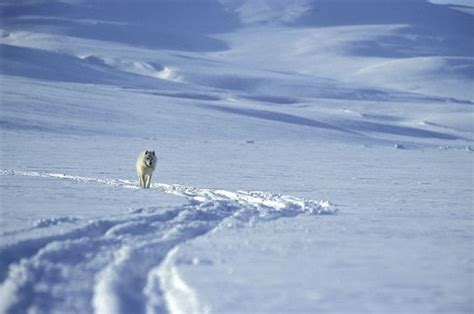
point(313, 156)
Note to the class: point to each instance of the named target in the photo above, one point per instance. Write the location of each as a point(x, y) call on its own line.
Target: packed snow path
point(126, 263)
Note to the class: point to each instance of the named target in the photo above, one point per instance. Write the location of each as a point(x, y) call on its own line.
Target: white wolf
point(146, 163)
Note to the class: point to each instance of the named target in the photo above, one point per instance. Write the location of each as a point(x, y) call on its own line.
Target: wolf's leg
point(142, 181)
point(148, 181)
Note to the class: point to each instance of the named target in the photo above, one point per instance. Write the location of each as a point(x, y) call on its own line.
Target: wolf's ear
point(146, 152)
point(153, 152)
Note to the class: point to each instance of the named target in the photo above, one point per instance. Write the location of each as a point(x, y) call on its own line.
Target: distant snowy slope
point(401, 31)
point(467, 3)
point(266, 115)
point(358, 36)
point(268, 12)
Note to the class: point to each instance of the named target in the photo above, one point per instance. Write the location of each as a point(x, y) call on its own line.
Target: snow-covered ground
point(313, 156)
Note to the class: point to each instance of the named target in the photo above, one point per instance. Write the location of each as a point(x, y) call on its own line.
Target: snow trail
point(260, 200)
point(125, 263)
point(179, 297)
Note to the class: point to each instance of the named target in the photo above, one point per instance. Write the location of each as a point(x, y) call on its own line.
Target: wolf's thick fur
point(146, 163)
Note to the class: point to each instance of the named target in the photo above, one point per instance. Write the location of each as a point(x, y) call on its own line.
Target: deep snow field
point(313, 156)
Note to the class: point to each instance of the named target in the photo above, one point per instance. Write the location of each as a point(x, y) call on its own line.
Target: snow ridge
point(179, 297)
point(125, 263)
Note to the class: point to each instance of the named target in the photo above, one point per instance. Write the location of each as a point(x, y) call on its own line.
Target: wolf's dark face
point(149, 158)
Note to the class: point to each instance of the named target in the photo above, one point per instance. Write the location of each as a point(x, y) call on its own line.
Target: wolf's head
point(150, 158)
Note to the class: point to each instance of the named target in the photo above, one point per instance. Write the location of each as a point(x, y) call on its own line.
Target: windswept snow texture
point(314, 156)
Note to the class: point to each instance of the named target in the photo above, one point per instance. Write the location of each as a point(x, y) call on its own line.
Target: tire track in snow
point(125, 263)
